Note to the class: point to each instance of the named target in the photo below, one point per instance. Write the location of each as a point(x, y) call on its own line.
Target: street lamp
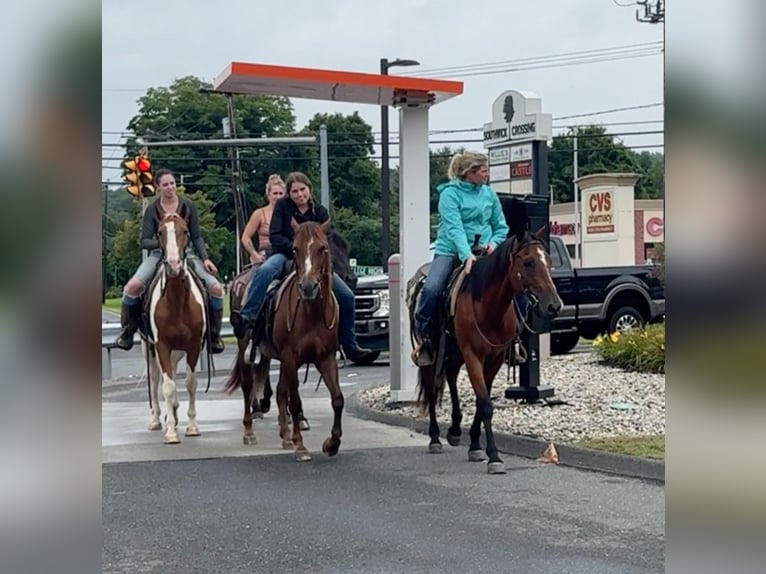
point(385, 188)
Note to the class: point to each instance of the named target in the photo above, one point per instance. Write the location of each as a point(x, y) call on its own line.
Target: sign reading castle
point(517, 117)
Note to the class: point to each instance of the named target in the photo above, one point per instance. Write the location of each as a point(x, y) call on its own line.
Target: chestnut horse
point(177, 325)
point(253, 376)
point(305, 331)
point(479, 335)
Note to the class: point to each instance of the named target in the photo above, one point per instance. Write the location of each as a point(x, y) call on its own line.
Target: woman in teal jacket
point(468, 207)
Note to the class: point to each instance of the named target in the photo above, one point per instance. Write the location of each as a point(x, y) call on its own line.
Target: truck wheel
point(369, 360)
point(625, 319)
point(562, 343)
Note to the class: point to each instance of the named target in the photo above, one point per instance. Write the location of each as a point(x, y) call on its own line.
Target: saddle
point(274, 294)
point(144, 327)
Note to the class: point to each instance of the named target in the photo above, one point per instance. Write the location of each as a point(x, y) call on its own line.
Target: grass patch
point(644, 446)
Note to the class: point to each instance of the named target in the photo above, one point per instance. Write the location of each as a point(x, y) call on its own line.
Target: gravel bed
point(601, 402)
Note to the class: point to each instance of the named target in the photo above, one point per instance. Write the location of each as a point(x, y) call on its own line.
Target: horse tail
point(236, 376)
point(430, 387)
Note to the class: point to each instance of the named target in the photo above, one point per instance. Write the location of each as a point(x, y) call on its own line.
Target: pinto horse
point(305, 331)
point(479, 336)
point(177, 325)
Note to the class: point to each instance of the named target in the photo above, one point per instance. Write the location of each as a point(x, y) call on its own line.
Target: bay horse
point(176, 325)
point(480, 333)
point(304, 331)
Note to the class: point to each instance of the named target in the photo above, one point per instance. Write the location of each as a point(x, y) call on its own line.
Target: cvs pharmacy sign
point(599, 212)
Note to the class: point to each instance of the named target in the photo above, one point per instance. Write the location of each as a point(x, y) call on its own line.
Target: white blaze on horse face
point(171, 248)
point(307, 262)
point(541, 255)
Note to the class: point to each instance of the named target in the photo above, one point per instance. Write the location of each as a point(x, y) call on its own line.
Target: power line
point(535, 60)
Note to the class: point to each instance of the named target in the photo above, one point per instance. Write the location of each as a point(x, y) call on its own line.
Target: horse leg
point(246, 382)
point(452, 369)
point(191, 388)
point(289, 376)
point(154, 390)
point(427, 375)
point(491, 366)
point(282, 396)
point(169, 392)
point(328, 368)
point(476, 372)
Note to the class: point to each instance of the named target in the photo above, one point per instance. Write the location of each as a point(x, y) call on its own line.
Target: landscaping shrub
point(636, 350)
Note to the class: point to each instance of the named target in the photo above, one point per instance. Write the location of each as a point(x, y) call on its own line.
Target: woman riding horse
point(170, 202)
point(468, 208)
point(300, 207)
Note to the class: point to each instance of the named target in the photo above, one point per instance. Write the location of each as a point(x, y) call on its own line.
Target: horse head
point(530, 271)
point(312, 257)
point(174, 239)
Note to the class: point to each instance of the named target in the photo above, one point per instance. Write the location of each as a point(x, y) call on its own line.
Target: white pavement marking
point(125, 436)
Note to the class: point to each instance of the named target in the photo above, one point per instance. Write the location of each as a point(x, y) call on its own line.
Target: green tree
point(185, 111)
point(354, 176)
point(597, 152)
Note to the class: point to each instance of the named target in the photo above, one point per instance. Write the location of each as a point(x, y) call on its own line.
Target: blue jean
point(345, 297)
point(271, 269)
point(148, 267)
point(434, 286)
point(435, 283)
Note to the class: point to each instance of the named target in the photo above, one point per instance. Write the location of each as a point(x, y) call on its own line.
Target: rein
point(514, 258)
point(292, 318)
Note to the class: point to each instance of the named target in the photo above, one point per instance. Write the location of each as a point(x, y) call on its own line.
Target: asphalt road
point(212, 504)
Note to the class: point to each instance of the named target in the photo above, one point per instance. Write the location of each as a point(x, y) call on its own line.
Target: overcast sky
point(200, 37)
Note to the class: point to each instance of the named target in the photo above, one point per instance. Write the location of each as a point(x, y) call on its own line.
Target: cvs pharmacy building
point(615, 228)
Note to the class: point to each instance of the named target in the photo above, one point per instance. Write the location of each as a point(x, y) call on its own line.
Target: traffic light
point(145, 178)
point(130, 175)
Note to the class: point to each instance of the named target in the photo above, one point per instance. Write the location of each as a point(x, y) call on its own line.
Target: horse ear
point(540, 233)
point(325, 227)
point(183, 211)
point(294, 224)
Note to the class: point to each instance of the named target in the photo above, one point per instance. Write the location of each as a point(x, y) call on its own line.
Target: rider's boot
point(130, 318)
point(216, 343)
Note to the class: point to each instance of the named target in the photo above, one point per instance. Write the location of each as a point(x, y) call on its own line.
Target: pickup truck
point(596, 300)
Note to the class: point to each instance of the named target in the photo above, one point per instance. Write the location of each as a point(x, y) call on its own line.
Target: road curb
point(574, 456)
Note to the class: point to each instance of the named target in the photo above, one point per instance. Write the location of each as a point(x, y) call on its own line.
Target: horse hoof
point(172, 439)
point(157, 425)
point(258, 415)
point(287, 444)
point(192, 431)
point(476, 456)
point(304, 425)
point(453, 440)
point(330, 447)
point(495, 468)
point(435, 448)
point(302, 456)
point(248, 439)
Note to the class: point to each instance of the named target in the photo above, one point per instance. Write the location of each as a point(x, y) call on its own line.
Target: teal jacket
point(466, 210)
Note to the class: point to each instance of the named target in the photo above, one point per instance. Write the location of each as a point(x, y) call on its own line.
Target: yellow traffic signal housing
point(131, 176)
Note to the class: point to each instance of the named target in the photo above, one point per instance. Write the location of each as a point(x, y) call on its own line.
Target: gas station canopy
point(333, 85)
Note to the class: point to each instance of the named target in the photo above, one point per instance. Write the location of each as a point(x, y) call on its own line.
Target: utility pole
point(653, 13)
point(385, 186)
point(575, 192)
point(230, 131)
point(104, 239)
